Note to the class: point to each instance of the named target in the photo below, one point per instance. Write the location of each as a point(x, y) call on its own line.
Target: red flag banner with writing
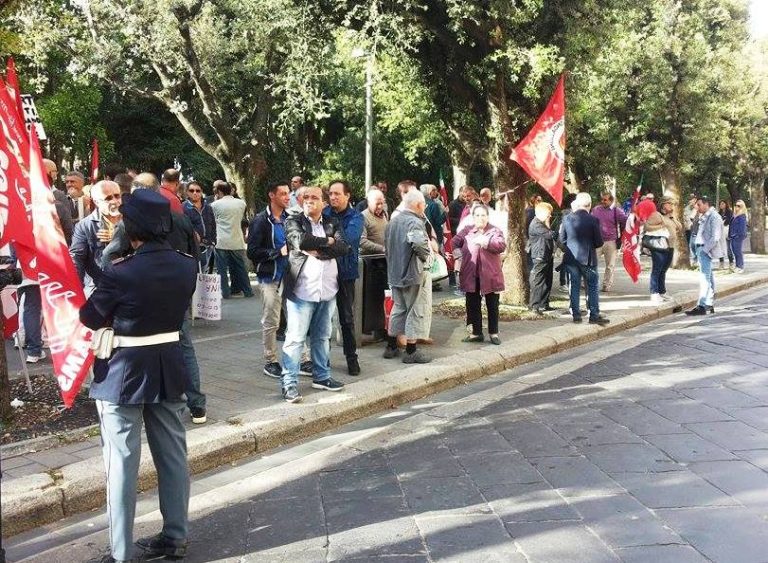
point(630, 239)
point(60, 288)
point(95, 162)
point(542, 152)
point(15, 199)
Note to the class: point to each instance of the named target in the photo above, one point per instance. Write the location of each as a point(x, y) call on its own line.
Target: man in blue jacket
point(268, 251)
point(351, 221)
point(581, 236)
point(144, 298)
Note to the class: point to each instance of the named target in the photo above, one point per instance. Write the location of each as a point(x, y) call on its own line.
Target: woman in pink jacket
point(481, 247)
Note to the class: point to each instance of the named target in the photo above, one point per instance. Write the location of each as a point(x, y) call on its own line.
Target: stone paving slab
point(247, 416)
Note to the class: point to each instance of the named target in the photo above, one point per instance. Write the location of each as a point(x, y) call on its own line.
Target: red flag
point(447, 236)
point(95, 162)
point(60, 287)
point(542, 152)
point(630, 239)
point(13, 86)
point(15, 199)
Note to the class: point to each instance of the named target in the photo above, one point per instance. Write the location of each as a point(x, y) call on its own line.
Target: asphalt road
point(648, 446)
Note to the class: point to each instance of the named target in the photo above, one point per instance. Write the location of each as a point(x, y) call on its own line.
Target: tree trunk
point(460, 176)
point(515, 266)
point(246, 173)
point(670, 183)
point(6, 411)
point(757, 213)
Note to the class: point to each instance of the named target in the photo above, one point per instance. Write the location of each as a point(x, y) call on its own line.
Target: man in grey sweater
point(409, 256)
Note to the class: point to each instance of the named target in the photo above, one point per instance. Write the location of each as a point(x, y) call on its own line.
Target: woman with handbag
point(659, 230)
point(481, 245)
point(738, 233)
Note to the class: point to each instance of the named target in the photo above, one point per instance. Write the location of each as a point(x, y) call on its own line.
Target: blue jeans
point(32, 318)
point(302, 315)
point(706, 279)
point(589, 273)
point(233, 261)
point(661, 260)
point(737, 248)
point(195, 399)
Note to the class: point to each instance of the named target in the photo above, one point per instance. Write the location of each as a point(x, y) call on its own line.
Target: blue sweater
point(738, 228)
point(352, 222)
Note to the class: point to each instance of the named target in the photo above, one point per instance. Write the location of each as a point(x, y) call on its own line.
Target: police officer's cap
point(149, 210)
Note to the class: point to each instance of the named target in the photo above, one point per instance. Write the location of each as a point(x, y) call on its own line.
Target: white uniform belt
point(132, 341)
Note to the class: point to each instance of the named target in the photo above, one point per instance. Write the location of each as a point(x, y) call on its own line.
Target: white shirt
point(228, 212)
point(319, 279)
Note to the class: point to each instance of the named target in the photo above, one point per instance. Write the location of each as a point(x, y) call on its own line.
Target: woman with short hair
point(481, 246)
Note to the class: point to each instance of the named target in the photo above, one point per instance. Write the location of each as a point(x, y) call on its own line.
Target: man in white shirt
point(230, 244)
point(314, 242)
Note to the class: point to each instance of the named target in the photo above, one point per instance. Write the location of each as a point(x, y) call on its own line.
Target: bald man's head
point(52, 170)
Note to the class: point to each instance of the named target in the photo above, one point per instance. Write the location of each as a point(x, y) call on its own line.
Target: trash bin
point(374, 276)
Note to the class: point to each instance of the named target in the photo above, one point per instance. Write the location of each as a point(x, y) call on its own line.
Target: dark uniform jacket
point(144, 294)
point(298, 234)
point(181, 238)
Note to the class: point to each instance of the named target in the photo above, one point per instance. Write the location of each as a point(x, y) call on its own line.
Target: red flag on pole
point(60, 287)
point(13, 86)
point(15, 199)
point(542, 152)
point(95, 162)
point(630, 239)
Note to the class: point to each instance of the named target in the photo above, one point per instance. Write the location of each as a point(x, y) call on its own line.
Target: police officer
point(144, 298)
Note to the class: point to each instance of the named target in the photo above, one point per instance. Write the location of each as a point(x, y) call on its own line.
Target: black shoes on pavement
point(390, 353)
point(329, 384)
point(162, 546)
point(700, 310)
point(198, 415)
point(353, 366)
point(601, 321)
point(416, 357)
point(291, 394)
point(305, 369)
point(273, 369)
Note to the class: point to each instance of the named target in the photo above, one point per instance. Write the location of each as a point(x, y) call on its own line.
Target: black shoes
point(700, 310)
point(198, 415)
point(306, 368)
point(577, 320)
point(353, 366)
point(473, 338)
point(390, 353)
point(417, 357)
point(601, 321)
point(329, 384)
point(273, 369)
point(280, 336)
point(162, 546)
point(291, 394)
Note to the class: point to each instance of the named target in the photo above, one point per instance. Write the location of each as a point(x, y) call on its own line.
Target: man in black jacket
point(314, 242)
point(541, 246)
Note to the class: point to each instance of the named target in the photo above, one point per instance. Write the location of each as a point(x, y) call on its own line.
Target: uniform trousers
point(121, 444)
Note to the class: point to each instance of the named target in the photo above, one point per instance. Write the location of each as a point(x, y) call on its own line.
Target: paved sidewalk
point(651, 446)
point(241, 399)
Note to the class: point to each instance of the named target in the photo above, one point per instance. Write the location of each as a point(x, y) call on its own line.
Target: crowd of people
point(137, 242)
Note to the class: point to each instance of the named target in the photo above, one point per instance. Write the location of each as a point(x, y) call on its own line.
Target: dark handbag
point(652, 242)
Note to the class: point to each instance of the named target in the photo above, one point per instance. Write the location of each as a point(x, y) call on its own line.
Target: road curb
point(40, 499)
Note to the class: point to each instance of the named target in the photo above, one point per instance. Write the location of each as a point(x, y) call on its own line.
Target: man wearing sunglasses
point(95, 231)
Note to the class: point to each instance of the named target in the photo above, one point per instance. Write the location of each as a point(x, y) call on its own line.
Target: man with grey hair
point(94, 232)
point(581, 236)
point(409, 255)
point(79, 203)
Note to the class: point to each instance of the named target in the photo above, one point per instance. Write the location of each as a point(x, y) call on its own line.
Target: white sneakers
point(34, 359)
point(657, 299)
